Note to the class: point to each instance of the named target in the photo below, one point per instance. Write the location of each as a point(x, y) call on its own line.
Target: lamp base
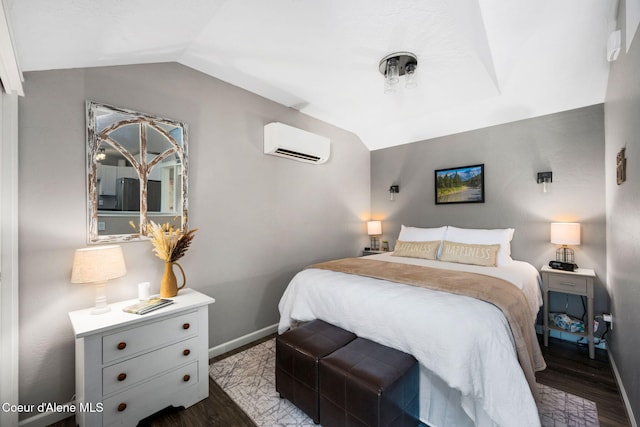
point(375, 243)
point(101, 300)
point(565, 254)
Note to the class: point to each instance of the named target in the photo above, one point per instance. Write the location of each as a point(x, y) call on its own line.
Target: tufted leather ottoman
point(297, 354)
point(368, 384)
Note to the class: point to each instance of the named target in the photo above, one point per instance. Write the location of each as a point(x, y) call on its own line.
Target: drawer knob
point(122, 377)
point(186, 326)
point(122, 407)
point(122, 345)
point(186, 352)
point(186, 378)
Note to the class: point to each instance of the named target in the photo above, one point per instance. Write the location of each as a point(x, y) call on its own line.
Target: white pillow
point(501, 236)
point(415, 234)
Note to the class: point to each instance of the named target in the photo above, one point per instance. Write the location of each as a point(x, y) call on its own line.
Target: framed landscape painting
point(460, 185)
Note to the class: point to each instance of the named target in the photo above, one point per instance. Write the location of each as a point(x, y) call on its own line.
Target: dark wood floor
point(568, 368)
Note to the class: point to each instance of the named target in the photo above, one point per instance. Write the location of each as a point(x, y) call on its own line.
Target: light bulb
point(392, 71)
point(410, 76)
point(391, 77)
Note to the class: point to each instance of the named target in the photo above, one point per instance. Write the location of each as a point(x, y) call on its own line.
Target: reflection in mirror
point(136, 173)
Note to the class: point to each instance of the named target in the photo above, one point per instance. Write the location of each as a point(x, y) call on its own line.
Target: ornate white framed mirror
point(137, 171)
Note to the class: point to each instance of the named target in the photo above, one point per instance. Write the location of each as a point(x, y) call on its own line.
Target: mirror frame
point(142, 168)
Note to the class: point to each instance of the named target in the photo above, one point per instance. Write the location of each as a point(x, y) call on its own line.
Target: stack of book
point(145, 307)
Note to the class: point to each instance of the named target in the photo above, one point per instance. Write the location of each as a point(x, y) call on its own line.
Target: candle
point(144, 289)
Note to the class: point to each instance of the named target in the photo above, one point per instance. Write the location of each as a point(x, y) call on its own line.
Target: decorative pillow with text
point(485, 255)
point(473, 236)
point(424, 250)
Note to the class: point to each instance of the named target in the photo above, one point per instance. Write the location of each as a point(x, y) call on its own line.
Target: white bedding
point(469, 372)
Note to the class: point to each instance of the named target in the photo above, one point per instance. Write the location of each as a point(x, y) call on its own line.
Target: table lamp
point(97, 265)
point(565, 233)
point(374, 229)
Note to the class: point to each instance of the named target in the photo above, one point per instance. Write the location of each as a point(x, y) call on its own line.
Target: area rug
point(248, 378)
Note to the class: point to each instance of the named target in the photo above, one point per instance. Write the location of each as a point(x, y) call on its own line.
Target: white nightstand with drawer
point(578, 282)
point(129, 366)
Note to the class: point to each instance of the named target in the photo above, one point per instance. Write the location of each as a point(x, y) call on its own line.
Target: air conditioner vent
point(295, 144)
point(289, 153)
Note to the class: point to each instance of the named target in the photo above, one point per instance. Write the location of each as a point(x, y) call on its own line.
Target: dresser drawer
point(129, 372)
point(566, 283)
point(133, 341)
point(128, 407)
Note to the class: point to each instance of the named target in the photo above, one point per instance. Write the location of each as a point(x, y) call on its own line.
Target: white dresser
point(129, 366)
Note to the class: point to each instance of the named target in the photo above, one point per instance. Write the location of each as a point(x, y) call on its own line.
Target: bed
point(469, 368)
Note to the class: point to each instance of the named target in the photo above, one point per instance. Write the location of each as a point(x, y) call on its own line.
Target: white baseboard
point(44, 419)
point(623, 392)
point(239, 342)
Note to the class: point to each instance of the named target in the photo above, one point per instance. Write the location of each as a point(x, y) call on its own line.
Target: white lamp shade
point(565, 233)
point(374, 228)
point(98, 264)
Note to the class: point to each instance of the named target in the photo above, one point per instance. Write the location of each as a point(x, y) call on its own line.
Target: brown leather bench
point(297, 354)
point(368, 384)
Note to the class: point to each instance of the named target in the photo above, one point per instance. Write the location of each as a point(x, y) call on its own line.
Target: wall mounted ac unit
point(295, 144)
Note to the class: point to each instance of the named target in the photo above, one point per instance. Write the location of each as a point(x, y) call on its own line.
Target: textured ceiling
point(481, 62)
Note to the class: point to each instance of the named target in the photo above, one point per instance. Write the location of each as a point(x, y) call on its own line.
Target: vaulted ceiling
point(480, 62)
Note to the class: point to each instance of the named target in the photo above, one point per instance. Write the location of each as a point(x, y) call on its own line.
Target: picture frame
point(462, 184)
point(621, 167)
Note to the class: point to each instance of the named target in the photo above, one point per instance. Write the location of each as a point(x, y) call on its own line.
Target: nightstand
point(578, 282)
point(129, 366)
point(367, 253)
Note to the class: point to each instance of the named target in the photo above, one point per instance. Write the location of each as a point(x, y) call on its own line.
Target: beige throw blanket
point(493, 290)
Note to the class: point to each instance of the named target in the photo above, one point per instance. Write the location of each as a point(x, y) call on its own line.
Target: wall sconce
point(395, 65)
point(393, 190)
point(545, 178)
point(374, 229)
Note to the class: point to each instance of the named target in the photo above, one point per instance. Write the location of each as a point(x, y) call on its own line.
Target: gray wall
point(260, 218)
point(622, 129)
point(570, 144)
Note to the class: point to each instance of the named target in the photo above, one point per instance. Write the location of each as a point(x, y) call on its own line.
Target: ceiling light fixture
point(395, 65)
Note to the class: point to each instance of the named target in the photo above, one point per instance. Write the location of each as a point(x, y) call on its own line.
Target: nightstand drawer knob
point(186, 352)
point(186, 378)
point(122, 345)
point(567, 284)
point(122, 377)
point(186, 326)
point(122, 407)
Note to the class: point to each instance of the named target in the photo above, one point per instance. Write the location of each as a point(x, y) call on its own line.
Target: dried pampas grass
point(169, 244)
